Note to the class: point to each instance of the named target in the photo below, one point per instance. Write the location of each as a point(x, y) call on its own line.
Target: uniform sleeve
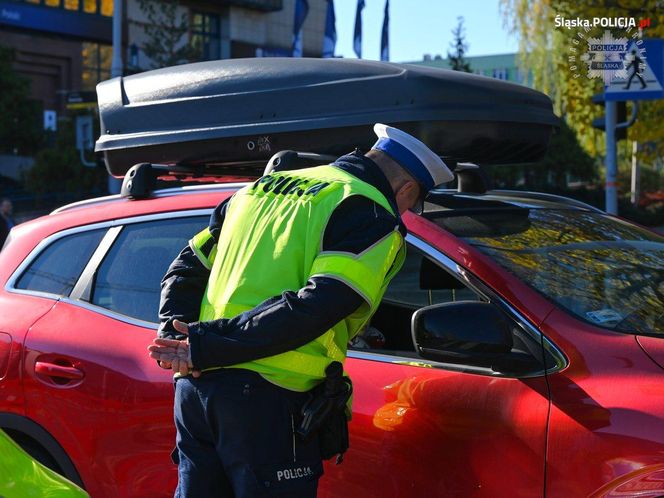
point(277, 325)
point(185, 281)
point(182, 290)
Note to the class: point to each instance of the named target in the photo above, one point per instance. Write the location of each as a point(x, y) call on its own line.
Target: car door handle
point(54, 370)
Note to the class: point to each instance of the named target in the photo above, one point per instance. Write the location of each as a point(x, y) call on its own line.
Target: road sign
point(644, 64)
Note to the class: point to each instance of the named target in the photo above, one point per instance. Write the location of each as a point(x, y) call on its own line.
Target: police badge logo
point(605, 57)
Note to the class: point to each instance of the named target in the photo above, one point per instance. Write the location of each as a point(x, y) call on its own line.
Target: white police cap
point(412, 155)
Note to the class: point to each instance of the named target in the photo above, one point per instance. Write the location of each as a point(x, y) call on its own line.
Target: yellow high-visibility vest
point(271, 241)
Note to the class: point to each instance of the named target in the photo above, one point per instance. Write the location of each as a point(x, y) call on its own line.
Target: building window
point(205, 35)
point(103, 7)
point(106, 7)
point(500, 73)
point(96, 64)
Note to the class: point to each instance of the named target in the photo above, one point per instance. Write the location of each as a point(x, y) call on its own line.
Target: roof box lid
point(244, 110)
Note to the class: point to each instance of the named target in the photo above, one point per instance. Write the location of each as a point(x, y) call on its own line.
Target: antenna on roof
point(471, 179)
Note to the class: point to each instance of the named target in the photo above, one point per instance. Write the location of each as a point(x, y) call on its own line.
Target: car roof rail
point(140, 181)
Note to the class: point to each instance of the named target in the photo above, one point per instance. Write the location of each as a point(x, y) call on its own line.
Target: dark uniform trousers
point(236, 438)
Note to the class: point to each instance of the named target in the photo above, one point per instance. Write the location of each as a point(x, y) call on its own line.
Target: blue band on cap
point(406, 159)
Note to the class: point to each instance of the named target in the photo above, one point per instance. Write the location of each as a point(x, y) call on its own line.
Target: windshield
point(603, 270)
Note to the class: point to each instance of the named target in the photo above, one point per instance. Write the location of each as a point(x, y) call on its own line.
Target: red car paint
point(592, 427)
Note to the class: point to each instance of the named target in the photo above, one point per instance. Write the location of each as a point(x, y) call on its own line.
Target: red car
point(519, 352)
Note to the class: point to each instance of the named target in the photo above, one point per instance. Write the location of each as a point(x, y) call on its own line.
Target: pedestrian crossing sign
point(643, 75)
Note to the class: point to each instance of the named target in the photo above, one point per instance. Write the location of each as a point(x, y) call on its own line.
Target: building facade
point(500, 66)
point(64, 47)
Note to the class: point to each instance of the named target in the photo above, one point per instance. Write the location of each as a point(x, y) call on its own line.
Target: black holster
point(324, 415)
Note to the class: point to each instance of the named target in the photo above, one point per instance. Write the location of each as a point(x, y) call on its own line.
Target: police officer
point(289, 270)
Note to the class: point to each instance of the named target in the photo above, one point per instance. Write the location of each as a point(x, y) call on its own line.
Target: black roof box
point(245, 110)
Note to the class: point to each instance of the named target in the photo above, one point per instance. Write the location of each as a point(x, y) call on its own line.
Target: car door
point(424, 428)
point(88, 378)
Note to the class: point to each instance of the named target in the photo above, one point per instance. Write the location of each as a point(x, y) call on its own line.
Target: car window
point(421, 282)
point(602, 270)
point(128, 280)
point(57, 268)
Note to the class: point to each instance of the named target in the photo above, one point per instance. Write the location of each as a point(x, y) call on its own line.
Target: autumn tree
point(553, 55)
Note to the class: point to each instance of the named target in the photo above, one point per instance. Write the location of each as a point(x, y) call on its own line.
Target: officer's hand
point(172, 353)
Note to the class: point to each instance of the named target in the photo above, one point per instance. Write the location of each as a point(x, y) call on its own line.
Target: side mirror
point(462, 332)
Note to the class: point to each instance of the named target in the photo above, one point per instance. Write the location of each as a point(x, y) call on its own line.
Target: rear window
point(128, 280)
point(57, 268)
point(602, 270)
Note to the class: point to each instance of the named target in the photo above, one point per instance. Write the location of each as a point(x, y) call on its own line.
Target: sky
point(419, 27)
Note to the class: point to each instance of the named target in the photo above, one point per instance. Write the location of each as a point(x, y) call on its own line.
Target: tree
point(58, 170)
point(20, 130)
point(456, 58)
point(166, 32)
point(550, 53)
point(564, 159)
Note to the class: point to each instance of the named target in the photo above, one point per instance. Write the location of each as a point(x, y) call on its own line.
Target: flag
point(357, 35)
point(385, 38)
point(301, 11)
point(330, 37)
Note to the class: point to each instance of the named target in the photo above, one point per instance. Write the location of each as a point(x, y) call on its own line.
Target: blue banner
point(357, 35)
point(385, 38)
point(301, 11)
point(330, 37)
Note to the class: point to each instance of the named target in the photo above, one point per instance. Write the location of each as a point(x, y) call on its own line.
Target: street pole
point(116, 63)
point(636, 174)
point(116, 70)
point(611, 160)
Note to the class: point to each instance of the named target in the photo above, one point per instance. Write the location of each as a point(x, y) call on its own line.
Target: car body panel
point(25, 310)
point(422, 431)
point(122, 405)
point(606, 414)
point(653, 347)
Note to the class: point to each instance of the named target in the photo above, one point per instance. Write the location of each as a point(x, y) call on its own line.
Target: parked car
point(521, 347)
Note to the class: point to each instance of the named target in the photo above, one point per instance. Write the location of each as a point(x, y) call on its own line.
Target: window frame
point(86, 280)
point(484, 293)
point(199, 31)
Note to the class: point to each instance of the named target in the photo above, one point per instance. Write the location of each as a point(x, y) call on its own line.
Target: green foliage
point(564, 161)
point(565, 157)
point(550, 53)
point(60, 165)
point(456, 58)
point(166, 32)
point(20, 130)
